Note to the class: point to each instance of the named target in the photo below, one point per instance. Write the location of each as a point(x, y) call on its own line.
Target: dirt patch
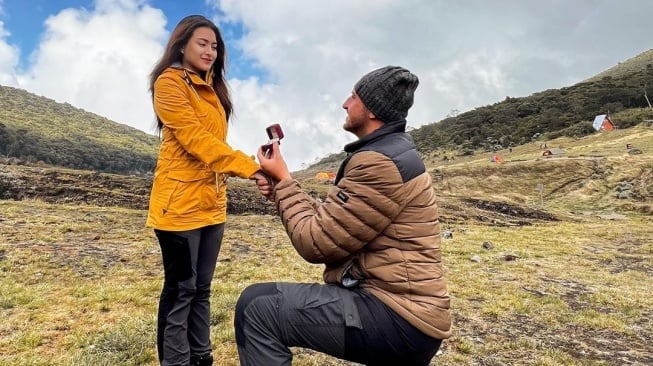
point(510, 210)
point(583, 343)
point(628, 254)
point(460, 210)
point(623, 263)
point(111, 190)
point(108, 190)
point(82, 257)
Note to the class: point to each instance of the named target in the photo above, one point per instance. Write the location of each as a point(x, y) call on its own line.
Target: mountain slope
point(568, 111)
point(34, 128)
point(635, 64)
point(37, 129)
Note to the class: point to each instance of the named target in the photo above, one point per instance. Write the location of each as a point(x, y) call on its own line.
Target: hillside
point(633, 65)
point(568, 111)
point(595, 174)
point(37, 129)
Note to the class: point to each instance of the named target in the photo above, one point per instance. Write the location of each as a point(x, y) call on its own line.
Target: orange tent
point(496, 159)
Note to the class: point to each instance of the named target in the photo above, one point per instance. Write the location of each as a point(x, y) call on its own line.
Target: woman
point(188, 201)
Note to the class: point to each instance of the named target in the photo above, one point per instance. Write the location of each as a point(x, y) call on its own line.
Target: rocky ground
point(64, 186)
point(54, 185)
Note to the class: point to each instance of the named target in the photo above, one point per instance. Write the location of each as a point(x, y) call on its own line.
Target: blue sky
point(26, 25)
point(294, 62)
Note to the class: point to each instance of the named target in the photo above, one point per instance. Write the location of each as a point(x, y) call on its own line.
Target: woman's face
point(200, 52)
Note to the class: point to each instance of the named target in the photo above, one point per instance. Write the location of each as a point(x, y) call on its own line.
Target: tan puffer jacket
point(376, 228)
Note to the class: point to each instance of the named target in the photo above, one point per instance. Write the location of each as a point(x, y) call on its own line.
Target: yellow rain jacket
point(189, 190)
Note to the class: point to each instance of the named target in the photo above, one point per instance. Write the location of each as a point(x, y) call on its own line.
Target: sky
point(294, 62)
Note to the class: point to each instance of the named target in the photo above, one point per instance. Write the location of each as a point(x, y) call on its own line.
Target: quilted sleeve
point(361, 206)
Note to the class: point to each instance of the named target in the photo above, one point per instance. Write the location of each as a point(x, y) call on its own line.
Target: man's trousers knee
point(271, 317)
point(350, 324)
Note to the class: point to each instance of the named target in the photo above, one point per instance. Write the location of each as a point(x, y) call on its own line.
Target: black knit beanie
point(388, 92)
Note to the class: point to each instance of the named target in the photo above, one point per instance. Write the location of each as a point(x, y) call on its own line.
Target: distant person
point(385, 301)
point(188, 201)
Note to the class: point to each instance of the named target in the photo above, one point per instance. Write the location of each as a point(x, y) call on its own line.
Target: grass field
point(79, 284)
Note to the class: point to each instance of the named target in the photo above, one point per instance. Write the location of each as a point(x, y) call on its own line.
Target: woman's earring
point(182, 50)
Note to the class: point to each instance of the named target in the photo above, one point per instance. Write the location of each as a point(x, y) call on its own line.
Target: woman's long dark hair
point(178, 39)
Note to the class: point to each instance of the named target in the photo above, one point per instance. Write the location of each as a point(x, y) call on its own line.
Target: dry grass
point(79, 285)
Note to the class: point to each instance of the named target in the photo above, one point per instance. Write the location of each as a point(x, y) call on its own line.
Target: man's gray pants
point(297, 315)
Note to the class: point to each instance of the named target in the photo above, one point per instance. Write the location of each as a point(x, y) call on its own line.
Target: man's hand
point(265, 184)
point(273, 165)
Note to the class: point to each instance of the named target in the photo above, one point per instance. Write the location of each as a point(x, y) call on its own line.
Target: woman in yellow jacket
point(188, 201)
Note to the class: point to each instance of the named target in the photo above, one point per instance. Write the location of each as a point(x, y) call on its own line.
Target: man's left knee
point(251, 293)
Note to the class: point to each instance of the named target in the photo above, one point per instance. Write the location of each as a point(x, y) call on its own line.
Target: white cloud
point(100, 60)
point(467, 54)
point(9, 55)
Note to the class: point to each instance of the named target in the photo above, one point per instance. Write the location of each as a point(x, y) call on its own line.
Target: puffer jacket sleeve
point(172, 106)
point(361, 206)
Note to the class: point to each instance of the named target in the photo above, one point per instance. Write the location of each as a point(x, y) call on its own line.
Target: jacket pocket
point(190, 189)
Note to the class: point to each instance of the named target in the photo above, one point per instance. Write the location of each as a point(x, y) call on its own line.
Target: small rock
point(510, 257)
point(475, 258)
point(447, 234)
point(487, 245)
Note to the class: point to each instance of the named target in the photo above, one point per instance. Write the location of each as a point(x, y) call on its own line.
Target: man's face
point(357, 114)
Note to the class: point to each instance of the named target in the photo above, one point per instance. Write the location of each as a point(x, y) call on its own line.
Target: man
point(385, 299)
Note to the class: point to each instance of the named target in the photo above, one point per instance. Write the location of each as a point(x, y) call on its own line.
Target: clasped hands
point(273, 170)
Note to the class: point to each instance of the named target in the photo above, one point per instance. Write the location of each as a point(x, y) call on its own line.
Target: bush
point(579, 129)
point(632, 117)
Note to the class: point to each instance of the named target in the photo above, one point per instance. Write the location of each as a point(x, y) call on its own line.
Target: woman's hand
point(274, 165)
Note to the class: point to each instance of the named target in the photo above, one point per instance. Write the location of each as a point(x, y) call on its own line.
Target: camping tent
point(496, 158)
point(602, 123)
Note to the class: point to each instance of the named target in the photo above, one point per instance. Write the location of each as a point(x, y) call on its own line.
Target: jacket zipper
point(187, 78)
point(217, 175)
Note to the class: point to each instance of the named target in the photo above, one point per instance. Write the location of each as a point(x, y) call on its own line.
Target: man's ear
point(370, 115)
